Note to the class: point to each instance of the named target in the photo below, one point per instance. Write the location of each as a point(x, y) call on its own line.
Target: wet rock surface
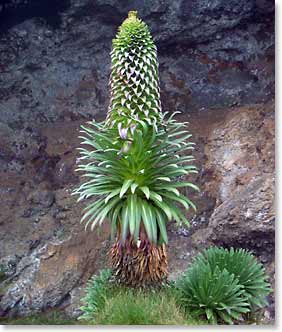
point(216, 66)
point(211, 53)
point(240, 161)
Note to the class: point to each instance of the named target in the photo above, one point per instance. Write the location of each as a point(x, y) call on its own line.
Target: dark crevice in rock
point(15, 12)
point(261, 243)
point(106, 14)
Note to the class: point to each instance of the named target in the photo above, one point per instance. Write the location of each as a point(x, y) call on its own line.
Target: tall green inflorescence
point(134, 82)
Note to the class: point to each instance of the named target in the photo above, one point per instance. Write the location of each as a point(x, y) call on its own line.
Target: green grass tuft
point(138, 307)
point(106, 303)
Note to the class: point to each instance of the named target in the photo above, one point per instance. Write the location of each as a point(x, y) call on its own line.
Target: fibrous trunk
point(139, 266)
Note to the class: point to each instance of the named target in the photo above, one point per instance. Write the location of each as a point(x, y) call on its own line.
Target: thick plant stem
point(141, 266)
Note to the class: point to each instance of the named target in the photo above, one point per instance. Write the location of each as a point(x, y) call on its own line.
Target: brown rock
point(246, 219)
point(48, 276)
point(240, 153)
point(42, 197)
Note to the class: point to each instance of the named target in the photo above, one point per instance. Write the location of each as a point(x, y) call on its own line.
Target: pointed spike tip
point(132, 14)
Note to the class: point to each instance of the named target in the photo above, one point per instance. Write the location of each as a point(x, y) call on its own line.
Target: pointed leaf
point(146, 191)
point(125, 187)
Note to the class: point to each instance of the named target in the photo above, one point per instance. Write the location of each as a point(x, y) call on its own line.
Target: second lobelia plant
point(223, 284)
point(135, 161)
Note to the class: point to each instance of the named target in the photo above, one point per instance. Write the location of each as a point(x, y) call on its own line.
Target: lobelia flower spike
point(134, 81)
point(134, 161)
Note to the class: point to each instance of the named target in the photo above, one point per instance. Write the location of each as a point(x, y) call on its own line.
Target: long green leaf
point(162, 225)
point(125, 187)
point(132, 201)
point(124, 223)
point(112, 194)
point(138, 218)
point(146, 191)
point(146, 217)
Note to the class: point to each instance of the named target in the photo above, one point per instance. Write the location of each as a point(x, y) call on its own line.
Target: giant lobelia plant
point(135, 161)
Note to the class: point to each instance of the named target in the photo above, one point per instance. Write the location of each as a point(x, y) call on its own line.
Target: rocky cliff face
point(216, 66)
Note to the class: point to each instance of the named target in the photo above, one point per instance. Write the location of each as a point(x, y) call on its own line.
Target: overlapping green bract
point(223, 284)
point(139, 183)
point(135, 93)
